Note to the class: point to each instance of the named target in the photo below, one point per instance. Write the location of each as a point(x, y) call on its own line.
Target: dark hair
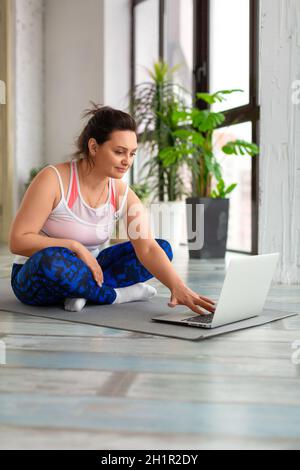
point(103, 121)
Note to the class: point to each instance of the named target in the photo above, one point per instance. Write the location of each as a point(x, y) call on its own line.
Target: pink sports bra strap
point(74, 187)
point(113, 197)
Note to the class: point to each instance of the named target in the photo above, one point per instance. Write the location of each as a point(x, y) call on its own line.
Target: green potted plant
point(194, 145)
point(156, 106)
point(142, 190)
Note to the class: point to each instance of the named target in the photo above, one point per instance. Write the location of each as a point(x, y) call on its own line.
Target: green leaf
point(182, 133)
point(207, 121)
point(221, 185)
point(168, 156)
point(206, 97)
point(221, 191)
point(240, 147)
point(230, 188)
point(218, 96)
point(198, 139)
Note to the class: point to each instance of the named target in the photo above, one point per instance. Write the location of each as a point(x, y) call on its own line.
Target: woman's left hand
point(183, 295)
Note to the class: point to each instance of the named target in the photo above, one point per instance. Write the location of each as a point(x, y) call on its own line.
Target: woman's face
point(115, 157)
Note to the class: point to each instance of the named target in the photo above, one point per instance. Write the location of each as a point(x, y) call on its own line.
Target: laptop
point(243, 294)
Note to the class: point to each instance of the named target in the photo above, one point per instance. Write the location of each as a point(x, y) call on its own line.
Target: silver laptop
point(243, 294)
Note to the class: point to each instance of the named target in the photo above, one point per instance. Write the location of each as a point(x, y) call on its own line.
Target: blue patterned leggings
point(55, 273)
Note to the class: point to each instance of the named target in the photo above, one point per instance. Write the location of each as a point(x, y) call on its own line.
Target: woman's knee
point(166, 246)
point(54, 258)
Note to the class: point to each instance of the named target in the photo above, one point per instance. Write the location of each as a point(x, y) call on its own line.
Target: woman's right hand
point(83, 253)
point(183, 295)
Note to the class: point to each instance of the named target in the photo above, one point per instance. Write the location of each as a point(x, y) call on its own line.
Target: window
point(146, 36)
point(161, 29)
point(179, 40)
point(229, 50)
point(226, 55)
point(216, 43)
point(237, 169)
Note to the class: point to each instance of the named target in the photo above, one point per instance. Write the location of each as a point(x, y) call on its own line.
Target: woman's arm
point(155, 260)
point(30, 243)
point(37, 203)
point(158, 264)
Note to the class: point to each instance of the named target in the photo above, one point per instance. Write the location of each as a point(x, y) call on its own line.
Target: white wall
point(280, 136)
point(87, 57)
point(29, 91)
point(116, 52)
point(68, 52)
point(116, 55)
point(74, 70)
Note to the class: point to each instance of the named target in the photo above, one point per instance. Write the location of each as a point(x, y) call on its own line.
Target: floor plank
point(79, 386)
point(141, 415)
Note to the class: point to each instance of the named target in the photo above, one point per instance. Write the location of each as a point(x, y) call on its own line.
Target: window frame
point(247, 113)
point(161, 21)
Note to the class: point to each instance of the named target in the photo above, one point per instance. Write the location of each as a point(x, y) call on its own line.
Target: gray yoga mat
point(132, 316)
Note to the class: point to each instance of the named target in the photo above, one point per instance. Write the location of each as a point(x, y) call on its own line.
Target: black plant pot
point(216, 212)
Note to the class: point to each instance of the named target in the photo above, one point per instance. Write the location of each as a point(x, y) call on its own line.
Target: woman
point(69, 212)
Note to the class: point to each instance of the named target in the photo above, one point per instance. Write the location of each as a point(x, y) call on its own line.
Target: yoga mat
point(131, 316)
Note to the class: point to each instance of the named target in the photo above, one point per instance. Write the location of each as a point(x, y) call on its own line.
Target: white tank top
point(74, 219)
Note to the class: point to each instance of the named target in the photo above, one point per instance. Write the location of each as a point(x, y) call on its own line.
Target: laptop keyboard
point(201, 319)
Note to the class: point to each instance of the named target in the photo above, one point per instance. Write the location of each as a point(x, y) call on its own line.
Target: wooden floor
point(83, 387)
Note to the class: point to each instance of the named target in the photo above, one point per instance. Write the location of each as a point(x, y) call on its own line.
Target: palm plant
point(155, 106)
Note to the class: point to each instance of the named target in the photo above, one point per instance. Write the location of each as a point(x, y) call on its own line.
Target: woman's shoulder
point(63, 169)
point(63, 166)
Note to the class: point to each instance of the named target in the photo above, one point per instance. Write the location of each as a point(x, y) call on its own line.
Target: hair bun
point(94, 110)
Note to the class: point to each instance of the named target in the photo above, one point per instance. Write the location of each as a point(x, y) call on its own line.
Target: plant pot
point(216, 213)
